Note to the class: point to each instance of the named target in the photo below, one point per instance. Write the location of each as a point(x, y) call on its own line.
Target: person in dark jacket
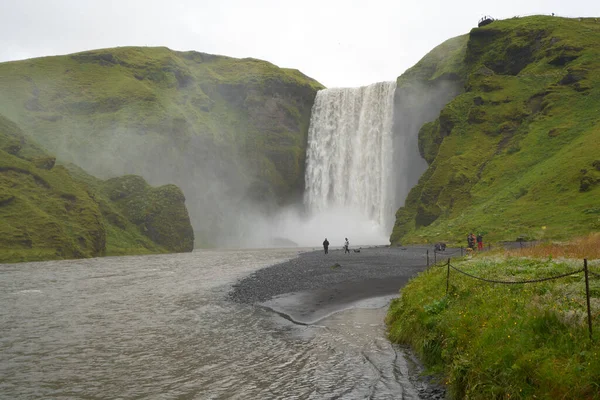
point(471, 241)
point(326, 246)
point(479, 241)
point(346, 246)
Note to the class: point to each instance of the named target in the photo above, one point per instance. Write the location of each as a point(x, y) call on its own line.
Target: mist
point(292, 226)
point(361, 177)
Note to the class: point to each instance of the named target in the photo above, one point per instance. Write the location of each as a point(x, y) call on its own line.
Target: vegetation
point(223, 129)
point(50, 211)
point(516, 153)
point(494, 341)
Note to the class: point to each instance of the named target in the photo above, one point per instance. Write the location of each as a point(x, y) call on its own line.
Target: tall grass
point(494, 341)
point(582, 247)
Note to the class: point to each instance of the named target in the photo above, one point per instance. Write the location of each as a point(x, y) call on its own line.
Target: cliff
point(230, 132)
point(50, 211)
point(516, 152)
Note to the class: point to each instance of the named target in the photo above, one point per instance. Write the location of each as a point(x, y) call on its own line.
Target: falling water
point(350, 154)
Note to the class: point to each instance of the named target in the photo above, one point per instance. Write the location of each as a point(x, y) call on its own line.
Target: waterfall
point(350, 156)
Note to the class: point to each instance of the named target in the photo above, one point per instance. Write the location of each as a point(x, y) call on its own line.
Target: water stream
point(163, 327)
point(350, 154)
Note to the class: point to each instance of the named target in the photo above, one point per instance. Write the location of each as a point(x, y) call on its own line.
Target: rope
point(517, 282)
point(593, 273)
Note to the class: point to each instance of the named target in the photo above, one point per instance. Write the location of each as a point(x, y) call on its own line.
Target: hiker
point(471, 241)
point(346, 246)
point(479, 241)
point(326, 246)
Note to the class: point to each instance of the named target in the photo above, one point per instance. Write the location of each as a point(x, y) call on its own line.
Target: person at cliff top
point(346, 246)
point(479, 241)
point(326, 246)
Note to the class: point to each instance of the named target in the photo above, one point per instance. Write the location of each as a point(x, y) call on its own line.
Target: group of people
point(472, 239)
point(346, 246)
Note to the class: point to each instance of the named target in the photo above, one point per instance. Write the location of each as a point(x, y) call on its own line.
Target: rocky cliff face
point(50, 211)
point(229, 132)
point(421, 92)
point(513, 153)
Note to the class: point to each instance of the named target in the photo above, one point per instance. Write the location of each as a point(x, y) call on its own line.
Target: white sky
point(339, 43)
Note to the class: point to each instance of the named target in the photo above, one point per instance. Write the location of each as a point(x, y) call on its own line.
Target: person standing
point(471, 241)
point(479, 241)
point(326, 246)
point(346, 246)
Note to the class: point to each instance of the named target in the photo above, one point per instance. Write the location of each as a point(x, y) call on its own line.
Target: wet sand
point(315, 285)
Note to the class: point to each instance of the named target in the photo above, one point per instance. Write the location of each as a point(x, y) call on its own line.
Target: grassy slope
point(517, 150)
point(44, 214)
point(196, 118)
point(53, 212)
point(492, 341)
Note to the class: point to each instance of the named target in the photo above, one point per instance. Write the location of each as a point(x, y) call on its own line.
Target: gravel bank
point(375, 271)
point(314, 285)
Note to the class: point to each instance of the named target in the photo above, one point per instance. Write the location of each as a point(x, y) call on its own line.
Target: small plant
point(437, 306)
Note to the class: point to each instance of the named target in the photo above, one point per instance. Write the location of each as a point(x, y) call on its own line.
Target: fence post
point(587, 295)
point(428, 257)
point(448, 278)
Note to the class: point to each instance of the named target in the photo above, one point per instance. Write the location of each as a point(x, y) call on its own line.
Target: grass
point(189, 112)
point(50, 211)
point(507, 341)
point(580, 248)
point(516, 151)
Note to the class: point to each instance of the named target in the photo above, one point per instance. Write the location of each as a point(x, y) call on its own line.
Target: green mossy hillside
point(44, 214)
point(222, 129)
point(159, 213)
point(50, 211)
point(517, 153)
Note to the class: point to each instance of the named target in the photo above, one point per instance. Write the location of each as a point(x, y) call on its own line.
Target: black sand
point(314, 285)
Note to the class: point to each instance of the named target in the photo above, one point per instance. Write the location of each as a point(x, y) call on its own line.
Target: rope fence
point(585, 270)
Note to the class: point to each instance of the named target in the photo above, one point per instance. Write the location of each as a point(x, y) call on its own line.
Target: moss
point(53, 212)
point(246, 119)
point(507, 153)
point(44, 214)
point(159, 213)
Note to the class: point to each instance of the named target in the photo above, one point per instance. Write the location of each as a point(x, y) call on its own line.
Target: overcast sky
point(339, 43)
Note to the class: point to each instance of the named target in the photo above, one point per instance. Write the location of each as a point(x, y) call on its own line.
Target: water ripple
point(163, 327)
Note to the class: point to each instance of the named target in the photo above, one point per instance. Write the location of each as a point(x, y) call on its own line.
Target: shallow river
point(163, 327)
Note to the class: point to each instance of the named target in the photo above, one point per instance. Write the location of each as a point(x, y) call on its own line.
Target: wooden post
point(448, 278)
point(587, 295)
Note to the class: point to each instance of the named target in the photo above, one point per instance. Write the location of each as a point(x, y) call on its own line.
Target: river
point(163, 327)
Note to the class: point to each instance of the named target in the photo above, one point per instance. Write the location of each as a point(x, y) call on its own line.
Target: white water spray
point(350, 161)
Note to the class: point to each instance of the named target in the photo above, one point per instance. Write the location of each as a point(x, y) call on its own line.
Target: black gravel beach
point(315, 284)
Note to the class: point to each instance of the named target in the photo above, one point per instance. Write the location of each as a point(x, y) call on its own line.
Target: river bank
point(492, 340)
point(314, 286)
